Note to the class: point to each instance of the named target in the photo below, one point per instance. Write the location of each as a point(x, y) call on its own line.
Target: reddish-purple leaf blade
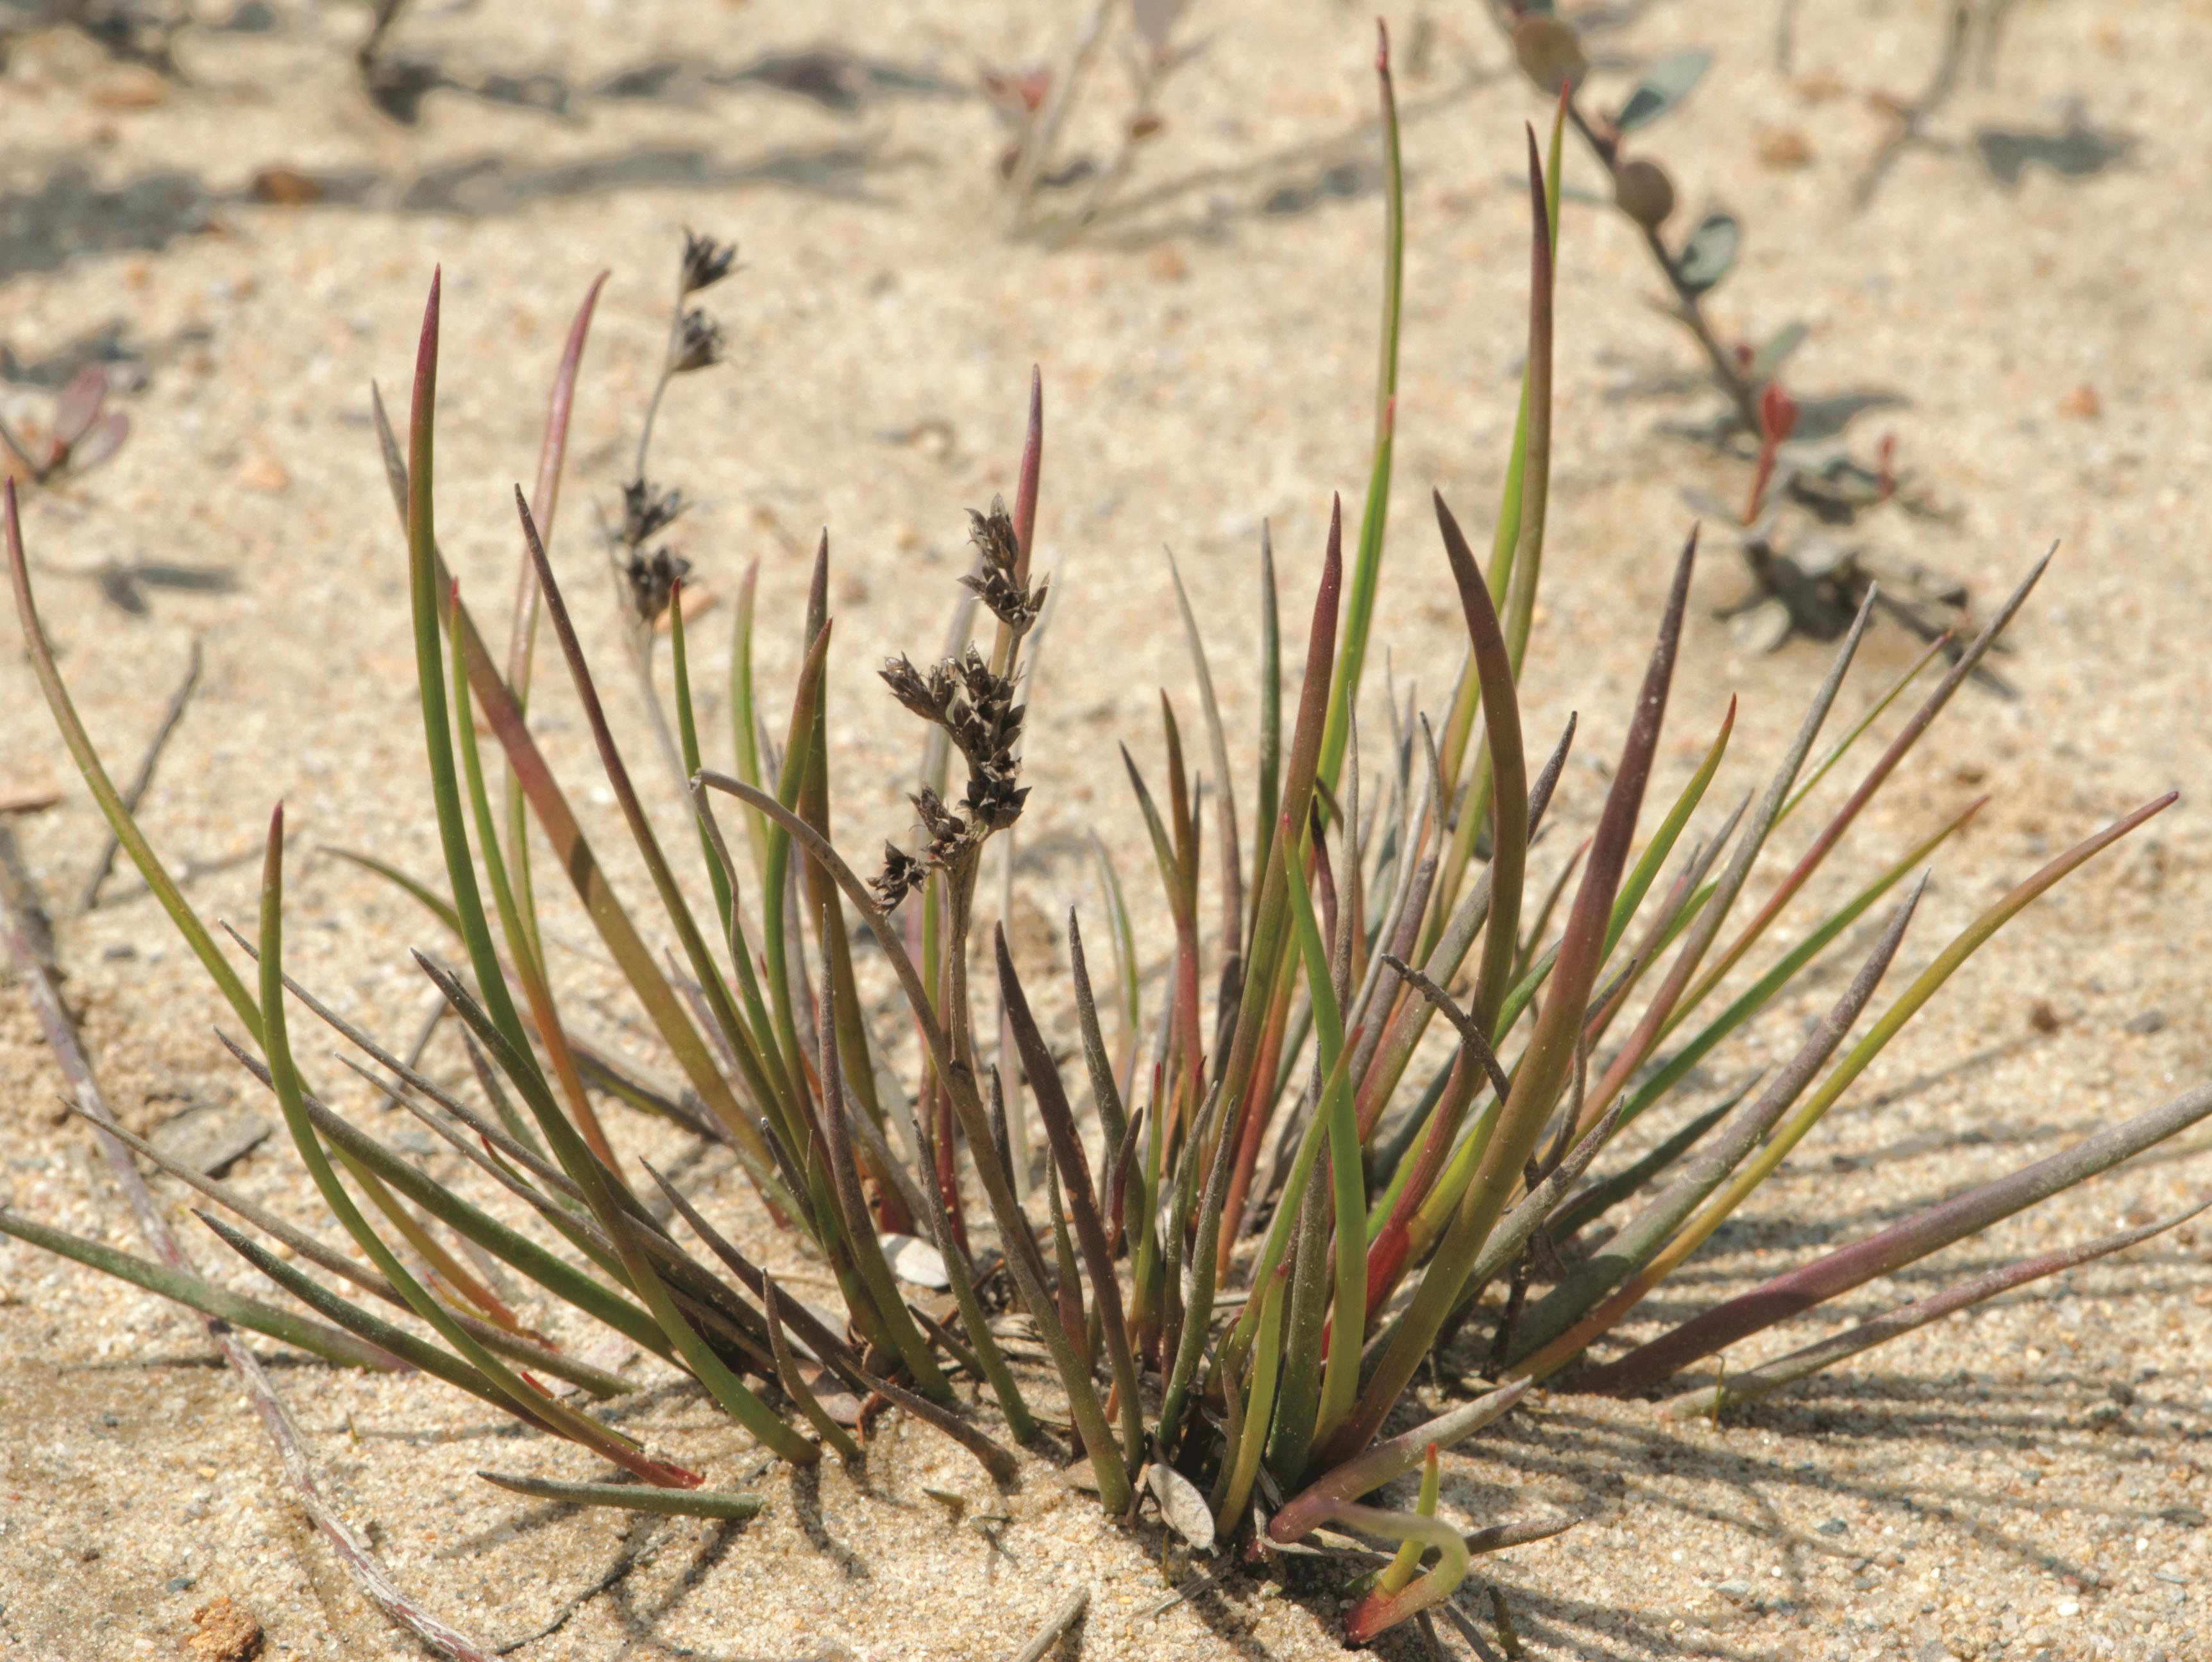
point(1901, 1244)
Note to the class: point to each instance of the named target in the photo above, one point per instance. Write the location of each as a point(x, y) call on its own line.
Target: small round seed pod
point(1550, 51)
point(1642, 191)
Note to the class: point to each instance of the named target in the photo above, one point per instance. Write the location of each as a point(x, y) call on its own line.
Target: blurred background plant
point(1053, 196)
point(1809, 491)
point(80, 434)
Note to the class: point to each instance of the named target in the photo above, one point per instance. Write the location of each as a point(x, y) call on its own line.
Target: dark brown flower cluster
point(945, 833)
point(706, 261)
point(651, 576)
point(697, 343)
point(648, 511)
point(962, 695)
point(648, 575)
point(999, 585)
point(902, 875)
point(696, 340)
point(975, 707)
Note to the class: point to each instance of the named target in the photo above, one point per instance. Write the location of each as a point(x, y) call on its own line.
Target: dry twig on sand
point(353, 1551)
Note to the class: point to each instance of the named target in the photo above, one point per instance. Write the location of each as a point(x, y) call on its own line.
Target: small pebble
point(223, 1631)
point(1784, 149)
point(267, 474)
point(131, 86)
point(285, 187)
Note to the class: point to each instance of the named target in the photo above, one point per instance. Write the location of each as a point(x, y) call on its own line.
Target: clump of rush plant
point(1371, 1118)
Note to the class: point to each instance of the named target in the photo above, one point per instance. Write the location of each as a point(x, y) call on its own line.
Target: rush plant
point(1371, 1115)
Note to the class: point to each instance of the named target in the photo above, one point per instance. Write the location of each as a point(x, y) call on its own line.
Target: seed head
point(973, 705)
point(993, 801)
point(698, 343)
point(1005, 599)
point(902, 875)
point(997, 585)
point(651, 578)
point(925, 695)
point(993, 534)
point(945, 835)
point(648, 510)
point(706, 261)
point(987, 696)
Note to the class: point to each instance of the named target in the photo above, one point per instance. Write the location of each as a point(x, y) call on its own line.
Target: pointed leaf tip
point(1679, 594)
point(1382, 46)
point(1027, 480)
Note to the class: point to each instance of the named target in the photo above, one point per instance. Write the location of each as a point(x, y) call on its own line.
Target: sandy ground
point(2031, 1481)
